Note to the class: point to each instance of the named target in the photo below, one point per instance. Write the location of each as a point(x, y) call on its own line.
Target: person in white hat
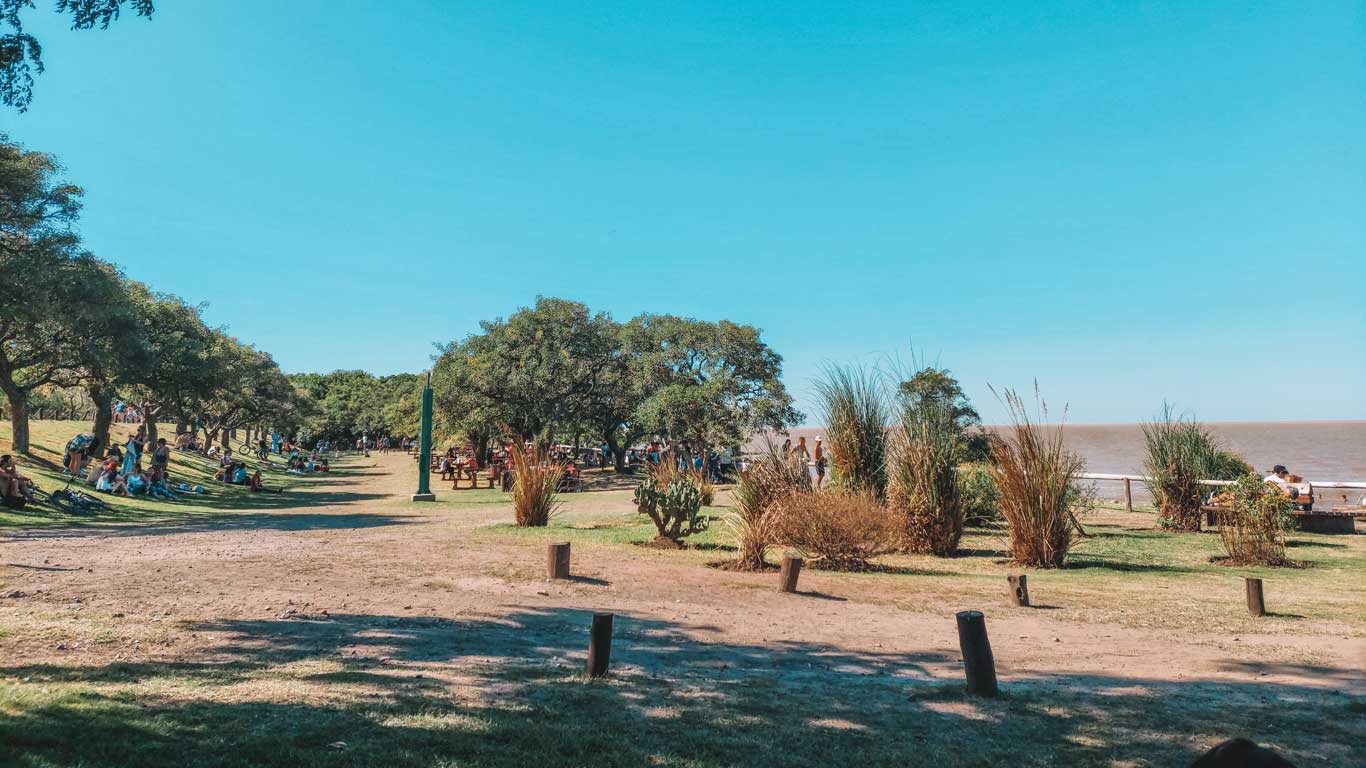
point(819, 455)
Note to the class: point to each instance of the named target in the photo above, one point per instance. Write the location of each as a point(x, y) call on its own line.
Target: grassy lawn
point(49, 438)
point(1127, 571)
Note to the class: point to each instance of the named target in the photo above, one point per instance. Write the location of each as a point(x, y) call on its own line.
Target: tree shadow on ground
point(507, 689)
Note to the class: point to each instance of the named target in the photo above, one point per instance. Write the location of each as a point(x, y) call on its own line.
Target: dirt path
point(402, 583)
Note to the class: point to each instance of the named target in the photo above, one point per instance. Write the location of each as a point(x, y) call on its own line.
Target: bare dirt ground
point(413, 590)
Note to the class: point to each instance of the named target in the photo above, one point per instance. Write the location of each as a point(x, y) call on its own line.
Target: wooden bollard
point(1019, 590)
point(1128, 496)
point(787, 578)
point(1256, 605)
point(599, 644)
point(557, 560)
point(978, 663)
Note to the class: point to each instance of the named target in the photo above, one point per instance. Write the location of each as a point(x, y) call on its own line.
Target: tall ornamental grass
point(758, 492)
point(535, 480)
point(1035, 476)
point(854, 407)
point(1180, 452)
point(924, 489)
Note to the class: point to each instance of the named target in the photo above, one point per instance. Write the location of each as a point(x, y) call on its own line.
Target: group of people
point(121, 471)
point(718, 465)
point(814, 457)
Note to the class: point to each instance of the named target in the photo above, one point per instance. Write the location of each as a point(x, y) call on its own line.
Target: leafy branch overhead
point(21, 55)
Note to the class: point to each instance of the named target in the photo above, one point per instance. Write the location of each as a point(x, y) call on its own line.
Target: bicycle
point(72, 501)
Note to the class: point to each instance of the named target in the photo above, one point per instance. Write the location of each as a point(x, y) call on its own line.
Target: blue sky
point(1128, 202)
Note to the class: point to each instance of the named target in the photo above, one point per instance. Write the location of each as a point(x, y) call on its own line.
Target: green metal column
point(424, 455)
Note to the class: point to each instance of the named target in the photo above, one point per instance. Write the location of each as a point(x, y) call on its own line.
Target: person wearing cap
point(1278, 476)
point(819, 455)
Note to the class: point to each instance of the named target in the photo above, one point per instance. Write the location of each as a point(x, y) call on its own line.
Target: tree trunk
point(618, 450)
point(18, 406)
point(209, 437)
point(103, 399)
point(149, 419)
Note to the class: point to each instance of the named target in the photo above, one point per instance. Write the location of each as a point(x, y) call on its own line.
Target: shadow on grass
point(508, 690)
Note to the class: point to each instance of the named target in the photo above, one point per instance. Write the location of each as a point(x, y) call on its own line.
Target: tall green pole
point(424, 454)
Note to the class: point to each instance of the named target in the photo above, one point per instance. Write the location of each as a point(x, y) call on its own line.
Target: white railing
point(1128, 479)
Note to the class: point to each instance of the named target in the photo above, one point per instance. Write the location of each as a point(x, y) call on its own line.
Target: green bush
point(981, 497)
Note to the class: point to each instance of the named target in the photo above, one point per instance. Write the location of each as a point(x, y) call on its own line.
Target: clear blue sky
point(1126, 201)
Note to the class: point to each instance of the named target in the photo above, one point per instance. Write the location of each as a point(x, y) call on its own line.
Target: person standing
point(819, 455)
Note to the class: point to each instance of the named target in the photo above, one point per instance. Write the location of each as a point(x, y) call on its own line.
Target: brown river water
point(1318, 450)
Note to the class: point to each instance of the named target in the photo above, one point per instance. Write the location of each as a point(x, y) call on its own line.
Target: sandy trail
point(388, 559)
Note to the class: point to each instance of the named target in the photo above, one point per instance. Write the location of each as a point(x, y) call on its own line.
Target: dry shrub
point(1253, 519)
point(1035, 477)
point(535, 478)
point(704, 485)
point(754, 524)
point(836, 530)
point(923, 487)
point(854, 406)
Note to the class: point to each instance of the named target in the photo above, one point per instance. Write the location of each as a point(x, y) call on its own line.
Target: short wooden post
point(1256, 605)
point(557, 560)
point(1128, 496)
point(787, 578)
point(600, 644)
point(1019, 590)
point(978, 664)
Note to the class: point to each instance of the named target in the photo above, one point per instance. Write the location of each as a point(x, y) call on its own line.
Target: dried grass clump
point(1253, 519)
point(770, 479)
point(1180, 453)
point(1035, 477)
point(836, 530)
point(923, 486)
point(535, 479)
point(854, 406)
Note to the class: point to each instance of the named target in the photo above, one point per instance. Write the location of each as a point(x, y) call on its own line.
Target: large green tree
point(933, 389)
point(536, 372)
point(21, 56)
point(172, 377)
point(348, 404)
point(64, 313)
point(708, 383)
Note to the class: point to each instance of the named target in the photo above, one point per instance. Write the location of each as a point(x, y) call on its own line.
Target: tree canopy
point(558, 370)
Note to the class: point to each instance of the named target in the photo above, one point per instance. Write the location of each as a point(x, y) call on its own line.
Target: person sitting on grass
point(156, 487)
point(257, 485)
point(137, 481)
point(12, 483)
point(110, 481)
